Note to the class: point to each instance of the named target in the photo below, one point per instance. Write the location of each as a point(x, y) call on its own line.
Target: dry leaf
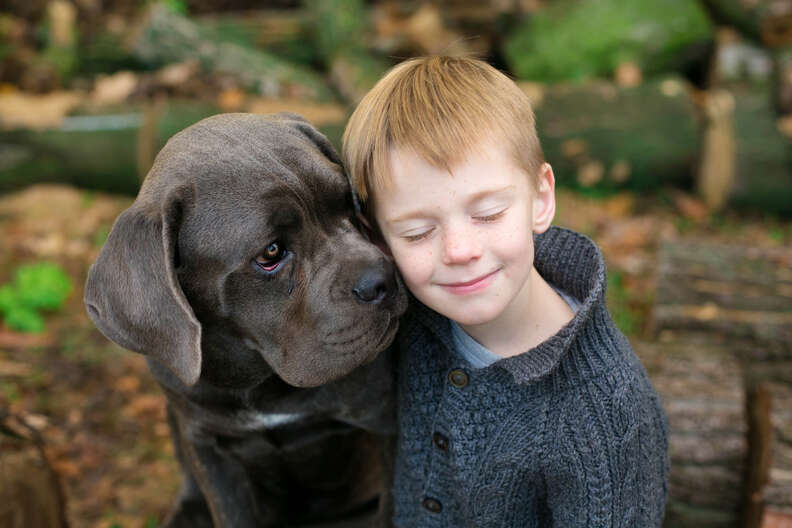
point(116, 88)
point(591, 173)
point(628, 75)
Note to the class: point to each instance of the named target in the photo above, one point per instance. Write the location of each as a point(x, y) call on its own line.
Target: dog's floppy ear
point(132, 293)
point(309, 131)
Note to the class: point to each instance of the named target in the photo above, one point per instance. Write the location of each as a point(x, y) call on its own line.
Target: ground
point(102, 415)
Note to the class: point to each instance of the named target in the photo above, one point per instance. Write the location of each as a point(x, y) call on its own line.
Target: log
point(604, 137)
point(261, 27)
point(557, 43)
point(763, 170)
point(774, 489)
point(31, 495)
point(768, 22)
point(715, 175)
point(340, 28)
point(93, 151)
point(166, 37)
point(701, 389)
point(741, 294)
point(111, 148)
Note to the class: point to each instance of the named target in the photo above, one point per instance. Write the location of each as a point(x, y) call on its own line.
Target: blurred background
point(669, 125)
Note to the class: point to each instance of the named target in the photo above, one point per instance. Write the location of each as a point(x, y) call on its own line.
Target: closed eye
point(418, 236)
point(491, 217)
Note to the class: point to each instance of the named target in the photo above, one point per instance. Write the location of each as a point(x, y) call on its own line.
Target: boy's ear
point(544, 200)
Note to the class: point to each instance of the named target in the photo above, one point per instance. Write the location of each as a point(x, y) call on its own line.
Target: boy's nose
point(461, 245)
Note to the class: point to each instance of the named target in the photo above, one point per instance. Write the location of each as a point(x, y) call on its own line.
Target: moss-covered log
point(92, 151)
point(339, 29)
point(763, 170)
point(574, 39)
point(166, 37)
point(600, 136)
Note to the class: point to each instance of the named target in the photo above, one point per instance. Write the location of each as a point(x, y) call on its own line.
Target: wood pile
point(722, 363)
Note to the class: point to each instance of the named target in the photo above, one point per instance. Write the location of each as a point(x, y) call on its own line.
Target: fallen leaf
point(691, 207)
point(590, 173)
point(13, 368)
point(20, 110)
point(116, 88)
point(628, 74)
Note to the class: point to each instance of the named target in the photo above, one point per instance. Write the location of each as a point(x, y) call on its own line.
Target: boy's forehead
point(414, 182)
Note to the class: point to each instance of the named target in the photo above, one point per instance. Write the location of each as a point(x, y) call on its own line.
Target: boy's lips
point(471, 286)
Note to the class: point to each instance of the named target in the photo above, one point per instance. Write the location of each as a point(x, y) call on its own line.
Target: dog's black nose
point(375, 283)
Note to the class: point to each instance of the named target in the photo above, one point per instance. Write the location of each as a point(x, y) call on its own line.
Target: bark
point(735, 292)
point(701, 389)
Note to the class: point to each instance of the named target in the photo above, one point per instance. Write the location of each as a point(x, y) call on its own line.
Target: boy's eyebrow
point(473, 198)
point(489, 192)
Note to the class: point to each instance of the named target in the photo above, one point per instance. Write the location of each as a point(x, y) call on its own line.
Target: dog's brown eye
point(271, 256)
point(273, 251)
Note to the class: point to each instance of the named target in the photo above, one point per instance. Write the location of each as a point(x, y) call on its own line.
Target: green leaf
point(43, 286)
point(24, 319)
point(8, 298)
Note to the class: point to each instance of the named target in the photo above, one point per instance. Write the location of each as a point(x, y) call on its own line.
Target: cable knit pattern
point(568, 434)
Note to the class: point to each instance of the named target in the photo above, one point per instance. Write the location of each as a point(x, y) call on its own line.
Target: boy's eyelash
point(490, 218)
point(416, 238)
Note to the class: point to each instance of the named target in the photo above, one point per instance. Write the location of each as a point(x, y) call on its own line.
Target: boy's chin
point(467, 317)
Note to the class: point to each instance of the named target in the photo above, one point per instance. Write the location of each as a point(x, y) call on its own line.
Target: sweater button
point(440, 441)
point(458, 378)
point(432, 505)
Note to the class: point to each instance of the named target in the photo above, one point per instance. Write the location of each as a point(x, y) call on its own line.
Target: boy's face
point(464, 241)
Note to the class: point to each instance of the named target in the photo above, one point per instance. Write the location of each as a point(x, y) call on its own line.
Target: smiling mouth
point(470, 286)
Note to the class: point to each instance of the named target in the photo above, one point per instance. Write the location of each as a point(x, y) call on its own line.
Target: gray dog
point(263, 311)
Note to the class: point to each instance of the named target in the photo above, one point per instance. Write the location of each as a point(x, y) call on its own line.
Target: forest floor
point(103, 416)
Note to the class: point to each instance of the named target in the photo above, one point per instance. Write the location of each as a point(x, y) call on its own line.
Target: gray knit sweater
point(568, 434)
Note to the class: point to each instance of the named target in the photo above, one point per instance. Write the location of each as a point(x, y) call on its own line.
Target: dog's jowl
point(266, 318)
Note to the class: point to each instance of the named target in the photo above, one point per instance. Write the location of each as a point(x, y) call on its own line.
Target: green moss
point(618, 301)
point(36, 287)
point(576, 39)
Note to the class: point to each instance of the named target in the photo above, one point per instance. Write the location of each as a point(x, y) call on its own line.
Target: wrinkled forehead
point(244, 183)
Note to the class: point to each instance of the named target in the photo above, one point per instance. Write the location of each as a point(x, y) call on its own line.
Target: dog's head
point(244, 229)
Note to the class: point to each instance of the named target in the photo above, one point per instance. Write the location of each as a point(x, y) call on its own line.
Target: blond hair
point(441, 108)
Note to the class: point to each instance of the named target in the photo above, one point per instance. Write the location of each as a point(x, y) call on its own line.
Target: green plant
point(35, 287)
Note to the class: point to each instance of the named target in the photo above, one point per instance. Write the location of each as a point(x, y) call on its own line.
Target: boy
point(520, 403)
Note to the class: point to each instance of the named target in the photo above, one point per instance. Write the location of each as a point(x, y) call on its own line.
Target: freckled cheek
point(415, 266)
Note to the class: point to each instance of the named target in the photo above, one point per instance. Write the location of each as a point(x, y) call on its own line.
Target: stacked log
point(166, 37)
point(588, 133)
point(340, 29)
point(725, 313)
point(701, 388)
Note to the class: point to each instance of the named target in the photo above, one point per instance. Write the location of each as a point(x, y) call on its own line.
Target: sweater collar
point(571, 262)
